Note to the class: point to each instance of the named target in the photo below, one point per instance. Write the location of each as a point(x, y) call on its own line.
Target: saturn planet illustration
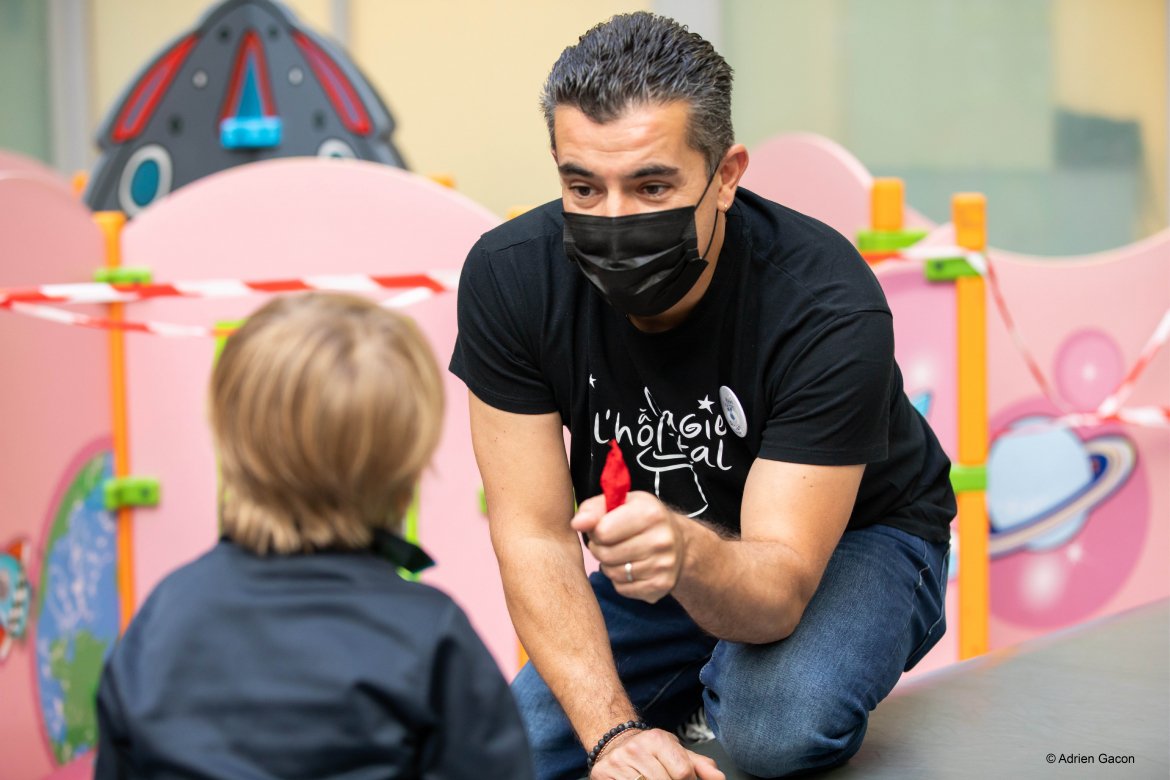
point(1043, 481)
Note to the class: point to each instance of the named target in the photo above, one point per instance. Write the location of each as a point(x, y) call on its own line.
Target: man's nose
point(618, 203)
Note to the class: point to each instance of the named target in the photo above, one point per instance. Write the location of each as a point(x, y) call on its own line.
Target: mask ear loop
point(715, 225)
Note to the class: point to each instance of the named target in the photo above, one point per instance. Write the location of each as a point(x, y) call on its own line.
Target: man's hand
point(655, 755)
point(642, 532)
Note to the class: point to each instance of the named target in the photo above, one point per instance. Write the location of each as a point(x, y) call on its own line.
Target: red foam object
point(615, 478)
point(341, 93)
point(150, 90)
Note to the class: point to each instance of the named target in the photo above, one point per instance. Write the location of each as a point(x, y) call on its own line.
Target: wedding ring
point(630, 578)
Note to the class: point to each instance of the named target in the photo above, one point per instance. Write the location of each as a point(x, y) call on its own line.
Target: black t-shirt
point(789, 356)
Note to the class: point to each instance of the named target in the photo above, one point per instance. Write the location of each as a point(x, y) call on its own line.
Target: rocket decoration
point(15, 594)
point(615, 478)
point(249, 83)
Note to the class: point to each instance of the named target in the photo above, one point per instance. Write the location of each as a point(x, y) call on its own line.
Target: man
point(782, 558)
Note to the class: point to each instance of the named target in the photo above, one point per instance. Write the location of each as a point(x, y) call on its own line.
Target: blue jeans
point(793, 706)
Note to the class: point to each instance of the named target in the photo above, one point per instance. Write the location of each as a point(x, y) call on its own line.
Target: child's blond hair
point(325, 409)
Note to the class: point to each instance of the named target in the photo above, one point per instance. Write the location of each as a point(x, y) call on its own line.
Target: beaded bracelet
point(609, 735)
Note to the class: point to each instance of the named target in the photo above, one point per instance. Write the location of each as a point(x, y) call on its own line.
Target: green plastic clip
point(131, 491)
point(887, 240)
point(123, 275)
point(968, 479)
point(948, 269)
point(482, 501)
point(221, 341)
point(410, 533)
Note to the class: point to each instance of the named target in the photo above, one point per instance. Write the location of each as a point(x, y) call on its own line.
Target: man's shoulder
point(534, 227)
point(522, 262)
point(778, 231)
point(810, 254)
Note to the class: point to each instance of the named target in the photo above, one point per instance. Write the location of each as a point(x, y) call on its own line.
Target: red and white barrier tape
point(101, 292)
point(980, 263)
point(30, 301)
point(1111, 409)
point(1112, 404)
point(53, 314)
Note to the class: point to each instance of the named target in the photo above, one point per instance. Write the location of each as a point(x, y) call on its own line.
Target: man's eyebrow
point(572, 169)
point(653, 170)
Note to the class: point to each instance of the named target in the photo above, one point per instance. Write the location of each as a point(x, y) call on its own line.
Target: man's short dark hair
point(645, 59)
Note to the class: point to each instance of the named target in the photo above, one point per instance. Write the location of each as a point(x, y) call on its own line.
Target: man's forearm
point(560, 625)
point(741, 591)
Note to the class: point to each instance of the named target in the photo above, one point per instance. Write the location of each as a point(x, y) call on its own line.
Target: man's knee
point(798, 741)
point(790, 734)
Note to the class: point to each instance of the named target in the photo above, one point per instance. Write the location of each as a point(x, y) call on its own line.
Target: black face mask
point(642, 263)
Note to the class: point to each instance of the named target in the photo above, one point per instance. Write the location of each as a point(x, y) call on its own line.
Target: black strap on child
point(390, 546)
point(400, 552)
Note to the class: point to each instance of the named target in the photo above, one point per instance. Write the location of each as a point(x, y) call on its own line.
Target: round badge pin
point(733, 411)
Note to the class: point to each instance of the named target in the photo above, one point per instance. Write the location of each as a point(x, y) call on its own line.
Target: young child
point(294, 649)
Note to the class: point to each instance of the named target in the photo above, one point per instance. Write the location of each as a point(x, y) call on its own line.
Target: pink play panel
point(1086, 319)
point(54, 405)
point(925, 334)
point(16, 163)
point(818, 177)
point(288, 219)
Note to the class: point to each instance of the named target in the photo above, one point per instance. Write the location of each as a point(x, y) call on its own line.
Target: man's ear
point(553, 151)
point(731, 170)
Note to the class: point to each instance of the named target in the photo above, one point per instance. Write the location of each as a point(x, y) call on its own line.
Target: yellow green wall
point(24, 78)
point(1110, 59)
point(461, 77)
point(127, 33)
point(789, 63)
point(973, 94)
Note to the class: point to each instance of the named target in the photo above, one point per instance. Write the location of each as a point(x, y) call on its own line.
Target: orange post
point(968, 213)
point(885, 204)
point(446, 179)
point(111, 224)
point(78, 182)
point(969, 216)
point(516, 211)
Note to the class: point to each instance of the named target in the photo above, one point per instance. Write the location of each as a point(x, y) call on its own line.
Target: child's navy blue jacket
point(307, 666)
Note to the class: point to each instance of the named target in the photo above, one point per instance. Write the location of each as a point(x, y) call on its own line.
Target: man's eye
point(654, 189)
point(581, 191)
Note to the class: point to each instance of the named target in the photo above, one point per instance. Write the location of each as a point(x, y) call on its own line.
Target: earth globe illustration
point(76, 608)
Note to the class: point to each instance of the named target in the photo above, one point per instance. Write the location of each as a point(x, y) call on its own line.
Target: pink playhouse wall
point(275, 220)
point(1085, 320)
point(54, 409)
point(16, 163)
point(291, 219)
